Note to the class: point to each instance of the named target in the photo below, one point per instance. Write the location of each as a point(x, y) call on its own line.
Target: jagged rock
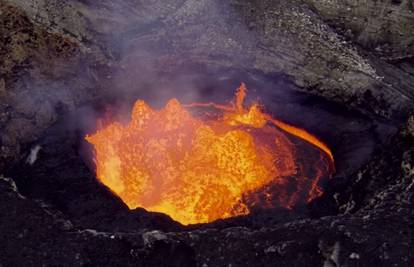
point(57, 55)
point(387, 181)
point(34, 234)
point(382, 26)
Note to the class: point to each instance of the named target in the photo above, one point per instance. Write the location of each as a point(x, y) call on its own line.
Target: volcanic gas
point(204, 161)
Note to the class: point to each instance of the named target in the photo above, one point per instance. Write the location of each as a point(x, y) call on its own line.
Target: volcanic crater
point(206, 133)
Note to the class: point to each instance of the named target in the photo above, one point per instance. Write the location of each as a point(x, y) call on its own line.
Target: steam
point(178, 52)
point(31, 159)
point(129, 50)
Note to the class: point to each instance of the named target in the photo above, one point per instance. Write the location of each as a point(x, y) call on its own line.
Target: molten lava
point(198, 169)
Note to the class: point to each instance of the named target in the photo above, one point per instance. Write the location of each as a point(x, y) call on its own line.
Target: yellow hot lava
point(200, 170)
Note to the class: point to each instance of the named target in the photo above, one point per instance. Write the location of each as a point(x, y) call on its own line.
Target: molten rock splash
point(199, 170)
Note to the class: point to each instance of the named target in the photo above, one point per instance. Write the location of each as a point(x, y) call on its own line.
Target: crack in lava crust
point(200, 170)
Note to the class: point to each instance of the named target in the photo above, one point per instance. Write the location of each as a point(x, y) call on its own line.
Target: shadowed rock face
point(56, 56)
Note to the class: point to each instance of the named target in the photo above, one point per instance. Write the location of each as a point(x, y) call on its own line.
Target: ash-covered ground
point(342, 69)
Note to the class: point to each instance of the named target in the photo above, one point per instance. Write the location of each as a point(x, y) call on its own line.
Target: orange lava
point(198, 170)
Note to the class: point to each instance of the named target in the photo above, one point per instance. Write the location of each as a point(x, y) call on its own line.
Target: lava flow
point(220, 164)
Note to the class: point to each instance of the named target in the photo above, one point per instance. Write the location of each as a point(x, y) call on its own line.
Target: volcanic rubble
point(56, 57)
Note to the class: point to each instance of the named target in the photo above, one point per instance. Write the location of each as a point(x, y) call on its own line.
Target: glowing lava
point(198, 170)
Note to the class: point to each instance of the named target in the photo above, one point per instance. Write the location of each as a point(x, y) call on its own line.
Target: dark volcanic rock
point(56, 56)
point(385, 27)
point(34, 235)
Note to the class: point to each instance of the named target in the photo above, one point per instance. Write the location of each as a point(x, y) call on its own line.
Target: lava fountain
point(205, 161)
